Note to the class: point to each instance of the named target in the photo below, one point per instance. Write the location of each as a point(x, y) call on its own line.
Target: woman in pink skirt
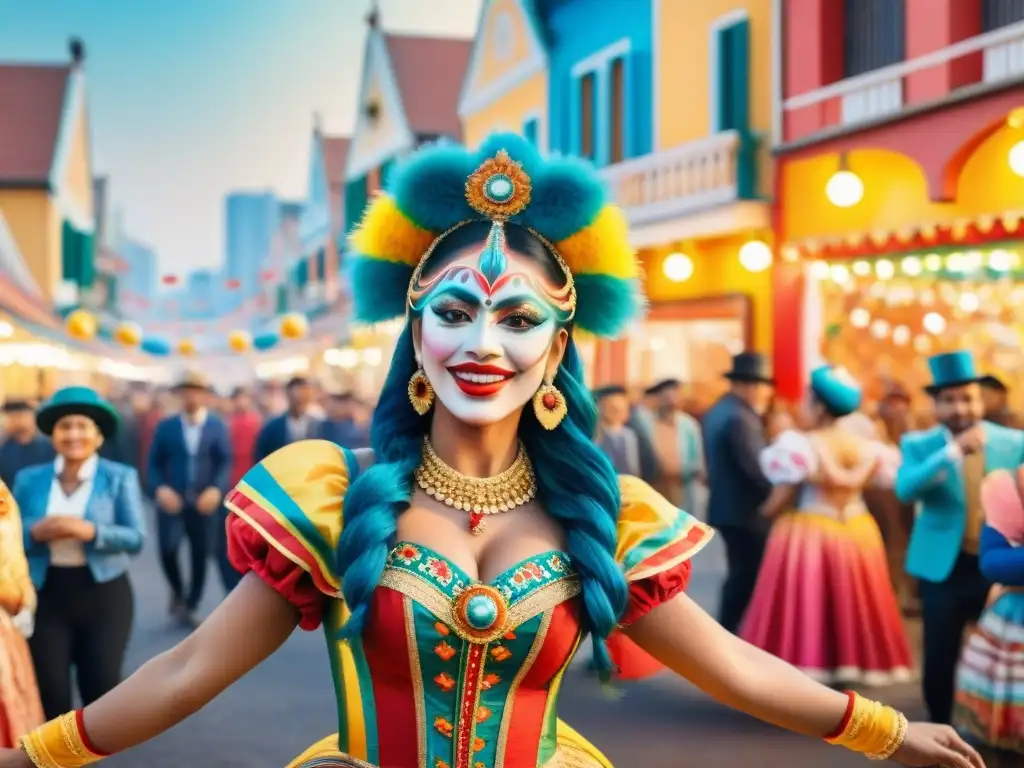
point(824, 601)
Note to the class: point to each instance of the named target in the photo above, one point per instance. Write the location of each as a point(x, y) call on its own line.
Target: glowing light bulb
point(900, 335)
point(884, 269)
point(844, 189)
point(840, 274)
point(860, 318)
point(911, 266)
point(934, 323)
point(1016, 158)
point(880, 329)
point(678, 267)
point(969, 302)
point(933, 262)
point(820, 270)
point(1000, 261)
point(755, 256)
point(861, 268)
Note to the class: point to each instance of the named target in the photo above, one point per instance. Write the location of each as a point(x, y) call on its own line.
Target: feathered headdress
point(562, 200)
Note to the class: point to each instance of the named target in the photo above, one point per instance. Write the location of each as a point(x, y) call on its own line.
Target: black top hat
point(612, 389)
point(991, 381)
point(750, 366)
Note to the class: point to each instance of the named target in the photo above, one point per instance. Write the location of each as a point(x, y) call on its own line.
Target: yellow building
point(46, 180)
point(506, 86)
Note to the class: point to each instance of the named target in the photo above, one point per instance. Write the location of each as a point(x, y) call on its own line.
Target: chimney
point(77, 48)
point(373, 17)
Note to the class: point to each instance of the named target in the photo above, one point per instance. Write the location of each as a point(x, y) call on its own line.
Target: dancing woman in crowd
point(83, 517)
point(20, 707)
point(990, 678)
point(458, 566)
point(824, 601)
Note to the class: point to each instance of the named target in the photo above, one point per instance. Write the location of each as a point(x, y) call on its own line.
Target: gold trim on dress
point(506, 716)
point(416, 675)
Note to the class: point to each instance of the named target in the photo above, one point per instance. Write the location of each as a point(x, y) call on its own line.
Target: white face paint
point(485, 345)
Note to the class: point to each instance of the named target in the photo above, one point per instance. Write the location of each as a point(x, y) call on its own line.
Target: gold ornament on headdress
point(499, 188)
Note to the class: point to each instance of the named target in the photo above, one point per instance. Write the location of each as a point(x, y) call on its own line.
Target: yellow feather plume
point(602, 248)
point(385, 233)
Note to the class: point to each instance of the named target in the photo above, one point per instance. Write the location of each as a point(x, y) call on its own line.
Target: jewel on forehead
point(492, 261)
point(499, 188)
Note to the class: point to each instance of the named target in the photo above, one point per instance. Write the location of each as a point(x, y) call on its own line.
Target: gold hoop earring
point(421, 394)
point(549, 406)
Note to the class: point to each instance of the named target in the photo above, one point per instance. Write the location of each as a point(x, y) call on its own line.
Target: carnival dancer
point(457, 567)
point(824, 601)
point(942, 471)
point(990, 678)
point(20, 707)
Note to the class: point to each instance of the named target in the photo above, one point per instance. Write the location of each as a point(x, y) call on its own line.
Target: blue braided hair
point(577, 484)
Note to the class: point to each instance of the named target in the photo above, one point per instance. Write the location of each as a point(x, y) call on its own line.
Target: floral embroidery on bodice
point(472, 649)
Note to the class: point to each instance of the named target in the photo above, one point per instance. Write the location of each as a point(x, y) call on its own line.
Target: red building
point(900, 186)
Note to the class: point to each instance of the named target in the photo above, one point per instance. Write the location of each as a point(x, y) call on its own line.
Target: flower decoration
point(499, 188)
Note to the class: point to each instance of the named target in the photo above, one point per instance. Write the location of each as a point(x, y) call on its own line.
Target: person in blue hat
point(942, 472)
point(84, 518)
point(825, 573)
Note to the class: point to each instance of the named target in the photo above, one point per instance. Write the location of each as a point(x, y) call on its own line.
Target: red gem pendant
point(549, 401)
point(476, 522)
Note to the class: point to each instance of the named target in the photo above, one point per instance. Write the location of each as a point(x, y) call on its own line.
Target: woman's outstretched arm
point(251, 623)
point(688, 641)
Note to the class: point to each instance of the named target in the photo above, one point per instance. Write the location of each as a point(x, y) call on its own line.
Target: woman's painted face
point(76, 437)
point(491, 329)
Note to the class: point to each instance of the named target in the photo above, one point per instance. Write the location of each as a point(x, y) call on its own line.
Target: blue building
point(204, 294)
point(139, 284)
point(600, 77)
point(251, 220)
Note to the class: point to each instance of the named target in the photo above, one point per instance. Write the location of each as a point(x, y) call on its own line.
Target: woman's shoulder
point(294, 500)
point(790, 459)
point(653, 535)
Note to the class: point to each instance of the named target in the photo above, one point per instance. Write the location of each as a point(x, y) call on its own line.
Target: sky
point(191, 99)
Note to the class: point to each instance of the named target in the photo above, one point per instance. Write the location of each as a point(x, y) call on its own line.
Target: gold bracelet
point(872, 729)
point(58, 744)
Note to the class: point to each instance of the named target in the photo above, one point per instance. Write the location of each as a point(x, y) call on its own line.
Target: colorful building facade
point(409, 94)
point(673, 101)
point(901, 187)
point(46, 180)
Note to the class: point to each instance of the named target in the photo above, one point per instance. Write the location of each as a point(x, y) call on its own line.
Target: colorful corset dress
point(450, 672)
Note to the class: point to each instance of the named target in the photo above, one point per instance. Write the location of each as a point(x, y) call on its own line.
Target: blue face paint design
point(492, 258)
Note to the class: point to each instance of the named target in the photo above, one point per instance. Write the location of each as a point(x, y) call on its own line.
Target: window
point(875, 35)
point(730, 67)
point(1000, 13)
point(531, 130)
point(617, 111)
point(588, 92)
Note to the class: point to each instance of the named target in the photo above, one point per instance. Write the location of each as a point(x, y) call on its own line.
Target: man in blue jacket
point(942, 472)
point(188, 473)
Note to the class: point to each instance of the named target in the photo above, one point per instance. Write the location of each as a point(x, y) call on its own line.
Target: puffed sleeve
point(1001, 501)
point(655, 543)
point(789, 460)
point(15, 581)
point(285, 521)
point(888, 458)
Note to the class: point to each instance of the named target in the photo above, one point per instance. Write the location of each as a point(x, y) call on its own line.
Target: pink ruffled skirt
point(825, 604)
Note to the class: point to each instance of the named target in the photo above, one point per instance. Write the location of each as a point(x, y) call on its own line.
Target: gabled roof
point(430, 71)
point(335, 156)
point(32, 101)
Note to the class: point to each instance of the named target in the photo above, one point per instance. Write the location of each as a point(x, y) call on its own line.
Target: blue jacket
point(932, 477)
point(274, 436)
point(115, 508)
point(169, 460)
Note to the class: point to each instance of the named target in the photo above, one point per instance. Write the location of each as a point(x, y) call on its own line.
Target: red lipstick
point(496, 378)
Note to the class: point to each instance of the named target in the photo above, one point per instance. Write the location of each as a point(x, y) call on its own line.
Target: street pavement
point(286, 704)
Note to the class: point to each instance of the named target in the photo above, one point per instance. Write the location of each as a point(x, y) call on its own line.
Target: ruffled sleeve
point(286, 519)
point(655, 543)
point(790, 460)
point(888, 458)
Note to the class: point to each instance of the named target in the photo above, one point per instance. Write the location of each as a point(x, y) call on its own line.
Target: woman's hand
point(14, 758)
point(56, 527)
point(927, 744)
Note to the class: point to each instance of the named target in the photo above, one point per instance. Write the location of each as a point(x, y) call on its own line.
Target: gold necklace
point(479, 496)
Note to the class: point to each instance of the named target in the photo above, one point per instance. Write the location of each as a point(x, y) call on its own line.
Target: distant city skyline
point(194, 99)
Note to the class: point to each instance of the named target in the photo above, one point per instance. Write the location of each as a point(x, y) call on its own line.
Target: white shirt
point(193, 430)
point(68, 553)
point(299, 429)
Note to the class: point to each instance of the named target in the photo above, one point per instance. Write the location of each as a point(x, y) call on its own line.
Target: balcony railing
point(990, 59)
point(686, 179)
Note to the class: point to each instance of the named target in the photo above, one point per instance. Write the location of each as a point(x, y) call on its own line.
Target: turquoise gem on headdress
point(499, 188)
point(481, 612)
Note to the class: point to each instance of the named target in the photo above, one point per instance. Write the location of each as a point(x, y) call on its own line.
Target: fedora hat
point(951, 369)
point(77, 401)
point(750, 366)
point(193, 380)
